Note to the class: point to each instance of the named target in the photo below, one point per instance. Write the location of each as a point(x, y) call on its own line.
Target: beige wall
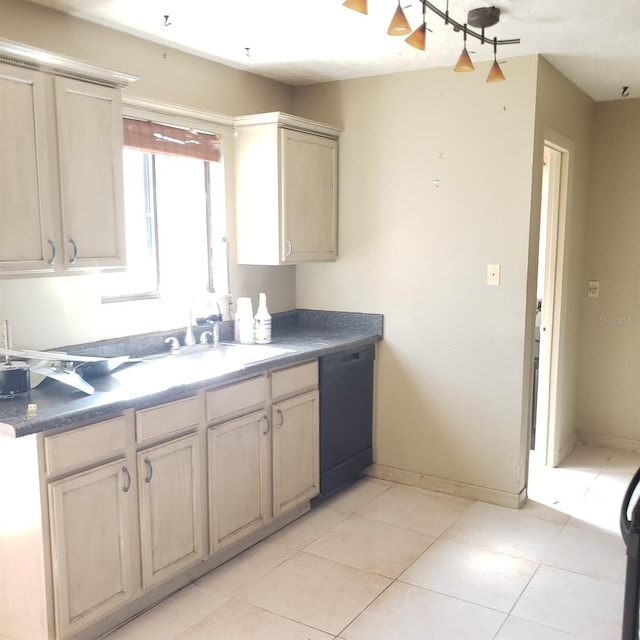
point(609, 398)
point(435, 183)
point(438, 178)
point(564, 117)
point(48, 312)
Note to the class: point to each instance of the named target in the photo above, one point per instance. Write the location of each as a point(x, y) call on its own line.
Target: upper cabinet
point(286, 189)
point(89, 119)
point(27, 241)
point(61, 196)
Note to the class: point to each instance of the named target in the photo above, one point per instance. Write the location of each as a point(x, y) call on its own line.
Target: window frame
point(208, 122)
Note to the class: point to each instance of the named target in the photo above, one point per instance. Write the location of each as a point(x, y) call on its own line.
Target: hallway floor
point(384, 561)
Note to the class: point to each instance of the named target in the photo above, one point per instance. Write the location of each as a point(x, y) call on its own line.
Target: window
point(174, 213)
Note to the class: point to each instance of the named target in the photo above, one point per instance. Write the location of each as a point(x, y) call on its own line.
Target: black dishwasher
point(346, 418)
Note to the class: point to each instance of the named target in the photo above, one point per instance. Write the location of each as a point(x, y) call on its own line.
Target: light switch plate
point(493, 275)
point(593, 288)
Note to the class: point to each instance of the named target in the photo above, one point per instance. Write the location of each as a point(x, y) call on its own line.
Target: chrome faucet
point(214, 333)
point(205, 310)
point(174, 345)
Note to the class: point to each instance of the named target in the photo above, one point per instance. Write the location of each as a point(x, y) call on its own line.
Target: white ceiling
point(595, 43)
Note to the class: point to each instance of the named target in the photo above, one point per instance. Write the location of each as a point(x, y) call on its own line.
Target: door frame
point(547, 444)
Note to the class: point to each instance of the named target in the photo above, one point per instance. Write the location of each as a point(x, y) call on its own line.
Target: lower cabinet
point(144, 473)
point(296, 471)
point(170, 508)
point(239, 501)
point(90, 545)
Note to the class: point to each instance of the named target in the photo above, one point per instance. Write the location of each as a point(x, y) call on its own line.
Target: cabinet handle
point(127, 476)
point(53, 251)
point(74, 246)
point(149, 470)
point(289, 248)
point(268, 423)
point(281, 418)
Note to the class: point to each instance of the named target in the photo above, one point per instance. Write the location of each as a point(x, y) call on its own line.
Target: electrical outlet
point(493, 275)
point(593, 288)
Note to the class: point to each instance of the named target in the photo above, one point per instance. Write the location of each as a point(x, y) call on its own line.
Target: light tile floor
point(384, 561)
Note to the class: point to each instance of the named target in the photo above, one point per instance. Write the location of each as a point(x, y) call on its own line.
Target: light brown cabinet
point(295, 417)
point(239, 501)
point(171, 508)
point(89, 119)
point(90, 545)
point(114, 516)
point(239, 461)
point(296, 475)
point(61, 194)
point(286, 189)
point(90, 499)
point(28, 213)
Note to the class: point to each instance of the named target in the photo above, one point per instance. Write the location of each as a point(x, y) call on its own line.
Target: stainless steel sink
point(226, 355)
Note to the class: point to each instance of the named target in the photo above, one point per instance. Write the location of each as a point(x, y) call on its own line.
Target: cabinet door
point(239, 485)
point(89, 119)
point(309, 197)
point(296, 477)
point(170, 508)
point(90, 545)
point(26, 240)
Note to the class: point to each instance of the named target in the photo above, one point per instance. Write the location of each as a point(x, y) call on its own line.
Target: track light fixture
point(399, 25)
point(418, 38)
point(356, 5)
point(495, 73)
point(479, 18)
point(464, 63)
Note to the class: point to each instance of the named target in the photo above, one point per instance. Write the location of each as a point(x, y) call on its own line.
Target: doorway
point(549, 303)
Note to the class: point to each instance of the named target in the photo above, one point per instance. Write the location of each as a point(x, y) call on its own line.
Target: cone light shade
point(356, 5)
point(399, 25)
point(418, 38)
point(464, 62)
point(495, 73)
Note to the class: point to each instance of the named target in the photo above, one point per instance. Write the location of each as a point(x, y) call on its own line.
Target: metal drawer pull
point(289, 250)
point(74, 246)
point(149, 470)
point(127, 486)
point(281, 418)
point(268, 422)
point(53, 251)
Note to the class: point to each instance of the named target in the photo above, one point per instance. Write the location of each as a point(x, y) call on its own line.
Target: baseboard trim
point(459, 489)
point(611, 442)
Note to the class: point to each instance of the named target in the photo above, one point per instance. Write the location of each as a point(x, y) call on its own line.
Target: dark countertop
point(298, 337)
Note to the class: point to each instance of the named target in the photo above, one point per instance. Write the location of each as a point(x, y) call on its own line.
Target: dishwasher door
point(346, 417)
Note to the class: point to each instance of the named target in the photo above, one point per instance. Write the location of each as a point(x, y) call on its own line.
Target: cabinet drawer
point(84, 446)
point(289, 381)
point(236, 398)
point(166, 419)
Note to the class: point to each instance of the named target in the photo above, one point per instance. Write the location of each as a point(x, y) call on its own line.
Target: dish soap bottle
point(262, 321)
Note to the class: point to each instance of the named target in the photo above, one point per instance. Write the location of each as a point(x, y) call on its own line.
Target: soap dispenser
point(262, 321)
